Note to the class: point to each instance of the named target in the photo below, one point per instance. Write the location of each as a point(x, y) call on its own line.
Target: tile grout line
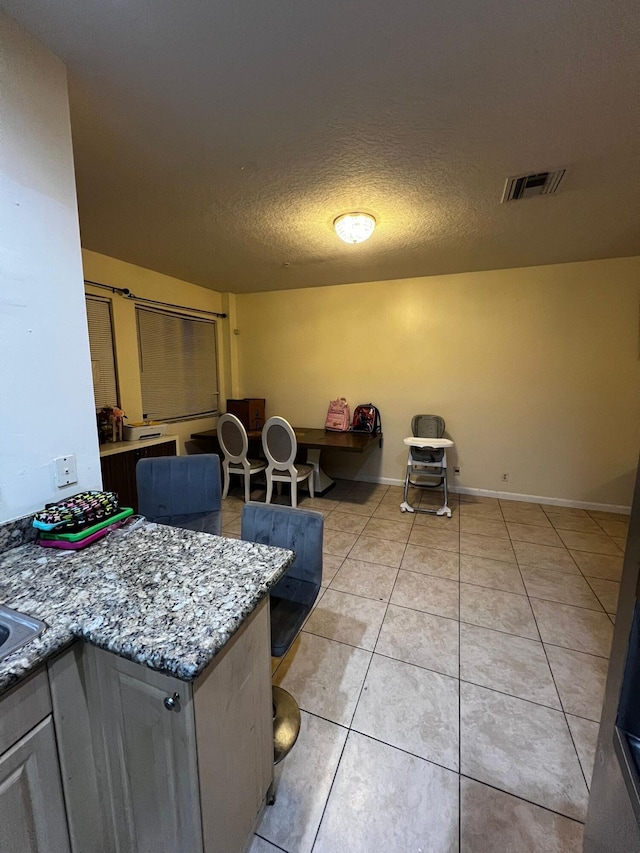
point(348, 729)
point(596, 594)
point(522, 799)
point(526, 594)
point(553, 678)
point(563, 712)
point(441, 673)
point(442, 767)
point(272, 843)
point(463, 621)
point(497, 630)
point(387, 603)
point(331, 786)
point(555, 687)
point(516, 567)
point(350, 726)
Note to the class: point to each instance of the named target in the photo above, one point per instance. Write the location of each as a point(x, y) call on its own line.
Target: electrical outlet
point(66, 471)
point(505, 478)
point(456, 471)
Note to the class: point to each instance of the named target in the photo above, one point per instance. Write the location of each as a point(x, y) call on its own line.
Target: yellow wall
point(153, 285)
point(535, 370)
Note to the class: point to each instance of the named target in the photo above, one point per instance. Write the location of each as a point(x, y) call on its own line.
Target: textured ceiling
point(216, 141)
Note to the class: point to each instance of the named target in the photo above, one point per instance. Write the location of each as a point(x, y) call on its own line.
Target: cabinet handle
point(172, 703)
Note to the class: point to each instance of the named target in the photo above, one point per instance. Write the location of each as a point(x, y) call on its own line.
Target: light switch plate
point(66, 472)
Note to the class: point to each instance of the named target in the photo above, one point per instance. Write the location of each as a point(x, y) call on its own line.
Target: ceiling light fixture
point(354, 227)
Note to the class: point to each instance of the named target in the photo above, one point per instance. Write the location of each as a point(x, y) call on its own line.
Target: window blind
point(178, 365)
point(103, 365)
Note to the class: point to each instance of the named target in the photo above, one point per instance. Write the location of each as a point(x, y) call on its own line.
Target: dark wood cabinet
point(249, 411)
point(119, 469)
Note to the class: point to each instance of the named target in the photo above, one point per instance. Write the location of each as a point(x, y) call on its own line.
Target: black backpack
point(366, 418)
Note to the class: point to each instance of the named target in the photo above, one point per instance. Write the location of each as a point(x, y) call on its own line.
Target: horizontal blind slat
point(178, 367)
point(103, 367)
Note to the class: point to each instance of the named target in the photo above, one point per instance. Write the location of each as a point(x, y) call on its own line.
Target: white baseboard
point(540, 499)
point(510, 496)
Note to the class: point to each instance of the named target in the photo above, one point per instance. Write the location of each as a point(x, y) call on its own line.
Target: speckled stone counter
point(160, 596)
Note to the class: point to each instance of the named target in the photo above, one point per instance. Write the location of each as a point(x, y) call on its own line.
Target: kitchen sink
point(16, 629)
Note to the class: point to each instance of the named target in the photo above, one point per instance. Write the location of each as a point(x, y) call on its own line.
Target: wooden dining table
point(314, 441)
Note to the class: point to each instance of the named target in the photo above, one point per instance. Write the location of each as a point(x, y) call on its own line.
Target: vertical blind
point(103, 365)
point(178, 365)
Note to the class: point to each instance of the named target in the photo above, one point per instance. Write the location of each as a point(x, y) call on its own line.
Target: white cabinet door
point(147, 755)
point(32, 815)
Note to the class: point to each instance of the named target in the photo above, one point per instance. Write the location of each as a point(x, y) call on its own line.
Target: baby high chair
point(427, 461)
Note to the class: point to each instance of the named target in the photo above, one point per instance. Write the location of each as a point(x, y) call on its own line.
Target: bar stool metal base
point(286, 723)
point(286, 728)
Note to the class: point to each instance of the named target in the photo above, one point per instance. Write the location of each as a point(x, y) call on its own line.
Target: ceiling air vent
point(526, 186)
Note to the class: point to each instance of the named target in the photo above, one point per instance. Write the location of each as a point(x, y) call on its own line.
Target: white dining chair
point(280, 447)
point(234, 443)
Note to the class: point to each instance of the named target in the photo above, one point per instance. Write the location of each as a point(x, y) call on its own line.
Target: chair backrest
point(232, 437)
point(183, 491)
point(192, 446)
point(279, 443)
point(301, 531)
point(427, 426)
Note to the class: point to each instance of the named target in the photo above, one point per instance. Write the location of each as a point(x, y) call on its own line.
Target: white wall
point(46, 397)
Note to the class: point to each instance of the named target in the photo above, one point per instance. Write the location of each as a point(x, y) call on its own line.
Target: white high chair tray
point(436, 443)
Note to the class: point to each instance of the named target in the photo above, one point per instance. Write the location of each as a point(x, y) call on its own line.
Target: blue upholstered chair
point(292, 597)
point(183, 491)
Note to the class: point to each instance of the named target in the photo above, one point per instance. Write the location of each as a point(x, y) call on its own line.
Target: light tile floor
point(450, 677)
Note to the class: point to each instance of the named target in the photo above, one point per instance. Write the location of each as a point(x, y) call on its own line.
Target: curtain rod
point(124, 291)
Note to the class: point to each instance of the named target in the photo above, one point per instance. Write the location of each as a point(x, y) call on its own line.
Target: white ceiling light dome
point(354, 227)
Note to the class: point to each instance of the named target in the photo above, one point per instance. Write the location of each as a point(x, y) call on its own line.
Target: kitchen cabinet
point(89, 831)
point(184, 766)
point(250, 412)
point(118, 464)
point(147, 750)
point(145, 761)
point(32, 811)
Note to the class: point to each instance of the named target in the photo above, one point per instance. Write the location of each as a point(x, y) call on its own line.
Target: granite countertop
point(161, 596)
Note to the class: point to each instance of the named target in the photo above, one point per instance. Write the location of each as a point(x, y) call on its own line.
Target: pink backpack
point(338, 416)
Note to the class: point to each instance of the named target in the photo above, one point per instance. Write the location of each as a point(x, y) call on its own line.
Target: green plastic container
point(124, 512)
